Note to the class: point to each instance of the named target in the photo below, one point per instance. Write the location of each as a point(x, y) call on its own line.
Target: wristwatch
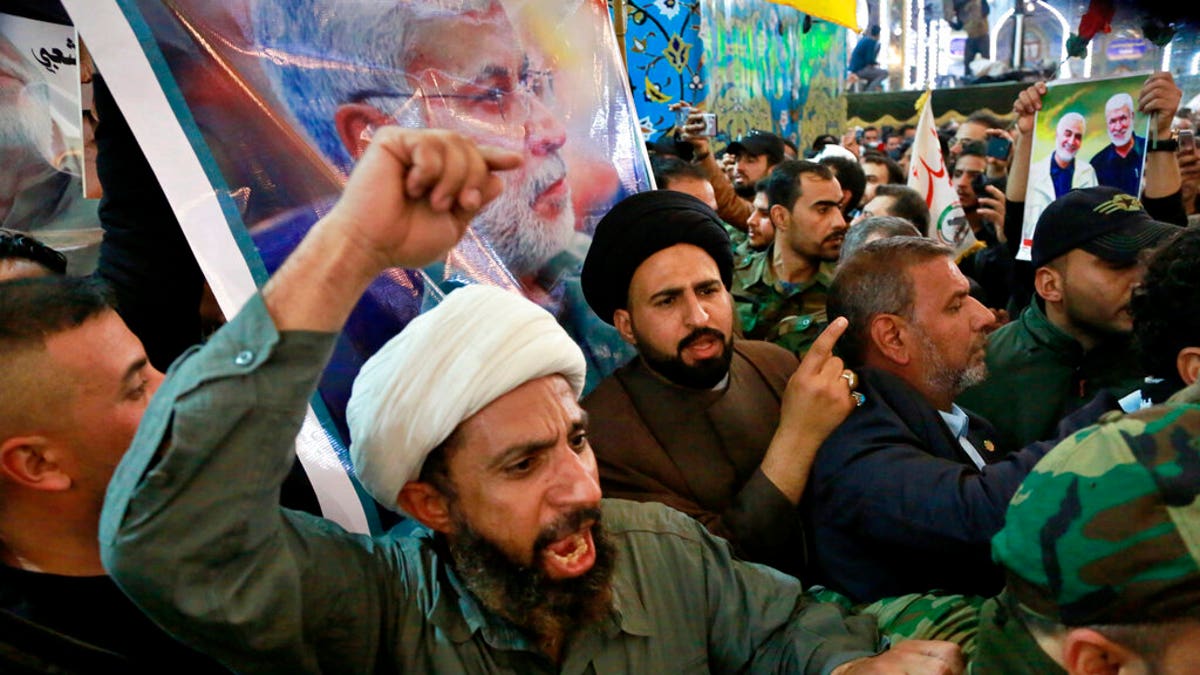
point(1163, 145)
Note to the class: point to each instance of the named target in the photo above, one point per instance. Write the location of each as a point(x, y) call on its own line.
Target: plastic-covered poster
point(41, 140)
point(285, 95)
point(1086, 134)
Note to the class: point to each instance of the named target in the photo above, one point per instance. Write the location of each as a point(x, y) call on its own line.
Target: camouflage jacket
point(1004, 644)
point(790, 315)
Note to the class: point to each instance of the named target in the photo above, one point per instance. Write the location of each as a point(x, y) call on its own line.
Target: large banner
point(1084, 135)
point(274, 100)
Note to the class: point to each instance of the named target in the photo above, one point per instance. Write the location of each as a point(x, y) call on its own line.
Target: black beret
point(640, 226)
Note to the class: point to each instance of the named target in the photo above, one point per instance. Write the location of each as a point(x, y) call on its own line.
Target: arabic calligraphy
point(51, 58)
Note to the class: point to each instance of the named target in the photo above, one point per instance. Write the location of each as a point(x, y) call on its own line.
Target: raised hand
point(817, 399)
point(1026, 106)
point(413, 193)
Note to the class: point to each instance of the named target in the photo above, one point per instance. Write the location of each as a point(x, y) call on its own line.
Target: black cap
point(757, 143)
point(1103, 221)
point(638, 227)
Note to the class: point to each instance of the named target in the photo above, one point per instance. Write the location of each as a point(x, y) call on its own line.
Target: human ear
point(427, 504)
point(780, 217)
point(1187, 362)
point(356, 123)
point(888, 337)
point(1087, 652)
point(624, 324)
point(1048, 283)
point(30, 461)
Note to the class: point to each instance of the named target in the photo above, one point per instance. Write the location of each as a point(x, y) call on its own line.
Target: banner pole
point(619, 21)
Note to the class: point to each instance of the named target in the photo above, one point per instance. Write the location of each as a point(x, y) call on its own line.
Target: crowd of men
point(838, 447)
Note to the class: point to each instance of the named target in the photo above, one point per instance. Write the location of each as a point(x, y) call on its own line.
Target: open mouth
point(570, 556)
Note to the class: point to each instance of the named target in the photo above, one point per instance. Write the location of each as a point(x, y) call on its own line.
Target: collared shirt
point(192, 532)
point(1123, 173)
point(790, 315)
point(958, 422)
point(1062, 177)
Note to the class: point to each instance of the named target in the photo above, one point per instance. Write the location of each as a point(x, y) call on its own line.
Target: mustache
point(552, 170)
point(699, 334)
point(566, 524)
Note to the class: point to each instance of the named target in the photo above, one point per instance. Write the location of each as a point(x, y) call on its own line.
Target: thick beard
point(704, 375)
point(940, 377)
point(520, 238)
point(525, 595)
point(1121, 141)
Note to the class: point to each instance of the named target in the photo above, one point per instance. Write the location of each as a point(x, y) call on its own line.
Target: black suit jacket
point(894, 505)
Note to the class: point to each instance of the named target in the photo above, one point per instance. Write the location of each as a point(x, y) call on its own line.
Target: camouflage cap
point(1106, 529)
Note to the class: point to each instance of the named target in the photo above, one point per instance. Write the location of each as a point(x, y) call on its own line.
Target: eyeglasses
point(505, 104)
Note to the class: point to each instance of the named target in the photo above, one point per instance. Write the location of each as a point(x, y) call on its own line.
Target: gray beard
point(520, 238)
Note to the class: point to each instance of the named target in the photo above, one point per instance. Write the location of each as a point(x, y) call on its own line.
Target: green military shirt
point(192, 531)
point(1037, 374)
point(790, 315)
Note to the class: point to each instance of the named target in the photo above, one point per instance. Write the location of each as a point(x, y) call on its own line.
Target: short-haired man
point(672, 173)
point(76, 382)
point(879, 170)
point(900, 201)
point(24, 256)
point(755, 154)
point(1054, 176)
point(1072, 341)
point(780, 293)
point(978, 127)
point(905, 495)
point(871, 229)
point(1119, 164)
point(864, 62)
point(760, 231)
point(850, 175)
point(1100, 554)
point(468, 422)
point(991, 265)
point(692, 421)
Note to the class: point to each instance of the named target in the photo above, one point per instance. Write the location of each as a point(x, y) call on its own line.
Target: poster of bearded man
point(1083, 137)
point(264, 107)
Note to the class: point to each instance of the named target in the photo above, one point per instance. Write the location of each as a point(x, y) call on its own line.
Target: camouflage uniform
point(931, 616)
point(790, 315)
point(1105, 530)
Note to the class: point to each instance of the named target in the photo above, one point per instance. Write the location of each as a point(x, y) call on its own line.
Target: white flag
point(929, 176)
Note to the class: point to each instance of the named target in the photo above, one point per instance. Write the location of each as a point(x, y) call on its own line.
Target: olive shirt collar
point(758, 270)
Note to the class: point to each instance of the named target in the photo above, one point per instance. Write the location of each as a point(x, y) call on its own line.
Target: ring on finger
point(859, 399)
point(851, 378)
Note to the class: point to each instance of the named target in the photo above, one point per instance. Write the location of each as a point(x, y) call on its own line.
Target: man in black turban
point(695, 421)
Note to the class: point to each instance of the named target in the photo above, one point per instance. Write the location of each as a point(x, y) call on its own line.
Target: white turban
point(449, 363)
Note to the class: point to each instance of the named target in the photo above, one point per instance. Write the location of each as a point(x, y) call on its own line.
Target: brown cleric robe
point(699, 451)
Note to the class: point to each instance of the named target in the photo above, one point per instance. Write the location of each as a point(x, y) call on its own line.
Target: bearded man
point(695, 421)
point(468, 422)
point(905, 495)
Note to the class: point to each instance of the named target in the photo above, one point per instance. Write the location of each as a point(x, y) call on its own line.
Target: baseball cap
point(1106, 528)
point(758, 143)
point(1103, 221)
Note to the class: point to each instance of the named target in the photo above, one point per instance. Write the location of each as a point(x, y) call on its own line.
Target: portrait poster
point(1087, 133)
point(273, 101)
point(41, 140)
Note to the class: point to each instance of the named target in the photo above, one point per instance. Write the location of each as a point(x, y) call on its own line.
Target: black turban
point(637, 228)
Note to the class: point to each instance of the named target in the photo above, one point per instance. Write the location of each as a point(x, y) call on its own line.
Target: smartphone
point(998, 147)
point(978, 185)
point(710, 125)
point(1187, 141)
